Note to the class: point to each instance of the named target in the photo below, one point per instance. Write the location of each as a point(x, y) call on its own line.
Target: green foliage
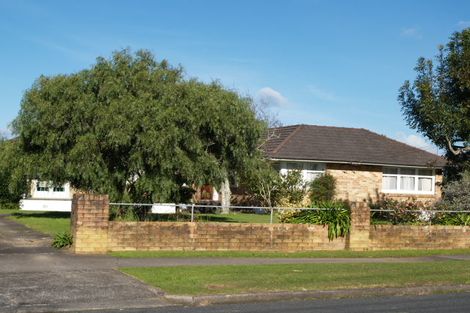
point(437, 104)
point(457, 194)
point(262, 181)
point(290, 187)
point(13, 182)
point(456, 197)
point(134, 128)
point(62, 240)
point(399, 212)
point(322, 188)
point(335, 214)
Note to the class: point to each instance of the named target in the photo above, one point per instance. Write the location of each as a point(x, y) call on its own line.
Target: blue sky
point(334, 63)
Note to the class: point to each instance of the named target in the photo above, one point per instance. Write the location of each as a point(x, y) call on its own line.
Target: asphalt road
point(454, 303)
point(37, 278)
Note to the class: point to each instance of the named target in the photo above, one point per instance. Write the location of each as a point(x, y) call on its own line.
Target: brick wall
point(90, 221)
point(360, 226)
point(94, 233)
point(396, 237)
point(358, 183)
point(219, 236)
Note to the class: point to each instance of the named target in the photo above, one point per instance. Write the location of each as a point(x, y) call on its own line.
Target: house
point(366, 165)
point(44, 196)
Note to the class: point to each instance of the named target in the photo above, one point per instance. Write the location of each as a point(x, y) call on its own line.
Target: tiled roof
point(344, 145)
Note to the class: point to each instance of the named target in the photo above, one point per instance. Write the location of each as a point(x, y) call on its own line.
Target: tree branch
point(457, 151)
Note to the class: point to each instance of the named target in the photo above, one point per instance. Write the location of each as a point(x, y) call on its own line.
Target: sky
point(336, 63)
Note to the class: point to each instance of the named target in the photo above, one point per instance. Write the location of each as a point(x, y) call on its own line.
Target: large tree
point(135, 128)
point(437, 104)
point(12, 178)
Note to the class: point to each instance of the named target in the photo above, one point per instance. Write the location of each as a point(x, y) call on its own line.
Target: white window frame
point(48, 191)
point(416, 181)
point(303, 168)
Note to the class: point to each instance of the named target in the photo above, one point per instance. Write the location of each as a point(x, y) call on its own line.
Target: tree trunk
point(225, 194)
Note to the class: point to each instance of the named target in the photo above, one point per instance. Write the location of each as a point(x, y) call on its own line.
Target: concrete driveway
point(37, 278)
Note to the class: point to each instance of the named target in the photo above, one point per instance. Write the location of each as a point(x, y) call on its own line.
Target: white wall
point(49, 193)
point(46, 205)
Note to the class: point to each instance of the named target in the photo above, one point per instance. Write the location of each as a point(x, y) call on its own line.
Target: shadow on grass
point(49, 215)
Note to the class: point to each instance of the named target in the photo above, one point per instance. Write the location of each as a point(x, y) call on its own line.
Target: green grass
point(46, 222)
point(8, 210)
point(229, 279)
point(237, 218)
point(310, 254)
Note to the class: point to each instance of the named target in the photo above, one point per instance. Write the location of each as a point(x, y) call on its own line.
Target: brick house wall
point(358, 183)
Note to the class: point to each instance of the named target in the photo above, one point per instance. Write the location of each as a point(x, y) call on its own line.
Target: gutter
point(357, 163)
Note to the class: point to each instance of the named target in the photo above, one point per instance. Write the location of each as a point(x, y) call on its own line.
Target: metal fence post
point(272, 213)
point(192, 212)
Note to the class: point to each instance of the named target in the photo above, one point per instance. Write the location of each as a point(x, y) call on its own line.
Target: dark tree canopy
point(12, 182)
point(135, 128)
point(437, 104)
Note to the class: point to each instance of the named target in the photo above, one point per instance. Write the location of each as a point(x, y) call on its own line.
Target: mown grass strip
point(46, 222)
point(230, 279)
point(310, 254)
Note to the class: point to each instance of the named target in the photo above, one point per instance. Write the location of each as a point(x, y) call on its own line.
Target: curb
point(313, 294)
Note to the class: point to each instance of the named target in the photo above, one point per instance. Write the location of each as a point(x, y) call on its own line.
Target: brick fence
point(94, 233)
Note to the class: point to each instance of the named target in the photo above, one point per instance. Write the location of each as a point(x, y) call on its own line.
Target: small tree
point(323, 188)
point(291, 188)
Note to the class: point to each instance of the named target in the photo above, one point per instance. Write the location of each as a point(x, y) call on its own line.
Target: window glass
point(59, 189)
point(294, 166)
point(314, 166)
point(424, 172)
point(389, 183)
point(407, 183)
point(277, 166)
point(390, 170)
point(424, 184)
point(407, 171)
point(42, 186)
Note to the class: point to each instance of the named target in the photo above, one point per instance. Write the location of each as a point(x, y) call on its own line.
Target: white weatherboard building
point(44, 196)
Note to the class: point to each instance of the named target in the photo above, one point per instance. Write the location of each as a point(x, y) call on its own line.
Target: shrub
point(400, 212)
point(457, 194)
point(334, 214)
point(322, 188)
point(290, 189)
point(62, 240)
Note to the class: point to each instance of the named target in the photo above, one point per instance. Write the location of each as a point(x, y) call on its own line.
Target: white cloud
point(463, 24)
point(411, 32)
point(322, 94)
point(271, 97)
point(417, 141)
point(5, 133)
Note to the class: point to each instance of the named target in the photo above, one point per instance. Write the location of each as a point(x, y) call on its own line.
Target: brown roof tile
point(341, 144)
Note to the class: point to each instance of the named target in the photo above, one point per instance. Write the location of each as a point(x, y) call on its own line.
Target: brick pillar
point(360, 226)
point(90, 220)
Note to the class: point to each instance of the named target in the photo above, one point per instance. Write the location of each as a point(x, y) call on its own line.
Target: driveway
point(38, 278)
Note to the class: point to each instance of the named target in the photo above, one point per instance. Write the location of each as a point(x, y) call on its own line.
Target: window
point(309, 170)
point(408, 180)
point(42, 186)
point(58, 189)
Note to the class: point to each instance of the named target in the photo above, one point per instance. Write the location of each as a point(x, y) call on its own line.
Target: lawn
point(230, 279)
point(237, 218)
point(310, 254)
point(46, 222)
